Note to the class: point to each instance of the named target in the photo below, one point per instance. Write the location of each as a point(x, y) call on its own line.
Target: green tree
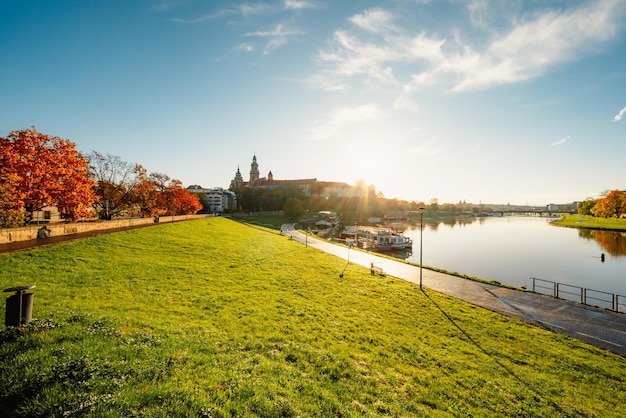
point(204, 201)
point(586, 207)
point(293, 209)
point(434, 205)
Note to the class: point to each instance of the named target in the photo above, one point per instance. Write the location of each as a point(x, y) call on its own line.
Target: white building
point(219, 200)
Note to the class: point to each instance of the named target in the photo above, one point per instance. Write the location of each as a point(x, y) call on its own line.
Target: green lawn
point(273, 221)
point(216, 318)
point(592, 222)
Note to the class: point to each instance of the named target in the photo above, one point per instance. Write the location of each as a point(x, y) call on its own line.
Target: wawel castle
point(221, 200)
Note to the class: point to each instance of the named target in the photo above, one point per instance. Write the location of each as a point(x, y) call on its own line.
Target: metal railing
point(583, 295)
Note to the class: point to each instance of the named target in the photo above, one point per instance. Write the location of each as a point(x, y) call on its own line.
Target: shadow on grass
point(258, 226)
point(528, 386)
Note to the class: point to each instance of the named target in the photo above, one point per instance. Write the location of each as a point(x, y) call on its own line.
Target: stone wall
point(8, 235)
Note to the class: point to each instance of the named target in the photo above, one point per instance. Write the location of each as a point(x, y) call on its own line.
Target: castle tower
point(254, 171)
point(237, 181)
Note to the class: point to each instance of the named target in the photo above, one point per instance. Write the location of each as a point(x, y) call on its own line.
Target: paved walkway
point(599, 327)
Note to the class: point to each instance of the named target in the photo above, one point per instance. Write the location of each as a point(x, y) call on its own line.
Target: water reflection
point(613, 242)
point(511, 249)
point(433, 225)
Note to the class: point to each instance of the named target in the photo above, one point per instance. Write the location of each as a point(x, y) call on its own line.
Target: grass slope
point(216, 318)
point(591, 222)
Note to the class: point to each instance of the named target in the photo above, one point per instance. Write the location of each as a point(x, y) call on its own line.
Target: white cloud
point(531, 47)
point(526, 49)
point(243, 10)
point(298, 4)
point(247, 10)
point(351, 57)
point(278, 37)
point(245, 47)
point(374, 20)
point(561, 141)
point(342, 117)
point(402, 102)
point(619, 116)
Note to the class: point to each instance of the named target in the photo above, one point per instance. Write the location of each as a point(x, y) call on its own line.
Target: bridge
point(528, 211)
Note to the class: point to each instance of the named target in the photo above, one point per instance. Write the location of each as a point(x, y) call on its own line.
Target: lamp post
point(421, 211)
point(306, 230)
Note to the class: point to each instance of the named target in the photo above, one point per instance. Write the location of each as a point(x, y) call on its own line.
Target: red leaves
point(38, 170)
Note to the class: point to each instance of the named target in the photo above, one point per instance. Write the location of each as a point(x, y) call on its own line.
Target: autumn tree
point(38, 170)
point(11, 209)
point(183, 201)
point(145, 195)
point(156, 194)
point(162, 186)
point(613, 205)
point(115, 180)
point(11, 205)
point(172, 197)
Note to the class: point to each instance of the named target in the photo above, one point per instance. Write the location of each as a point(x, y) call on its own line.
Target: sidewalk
point(599, 327)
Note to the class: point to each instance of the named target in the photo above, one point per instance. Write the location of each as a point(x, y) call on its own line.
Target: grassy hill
point(216, 318)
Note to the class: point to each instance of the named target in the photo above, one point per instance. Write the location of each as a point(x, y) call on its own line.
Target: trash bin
point(19, 306)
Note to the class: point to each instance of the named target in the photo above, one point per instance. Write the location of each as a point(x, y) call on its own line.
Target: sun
point(373, 167)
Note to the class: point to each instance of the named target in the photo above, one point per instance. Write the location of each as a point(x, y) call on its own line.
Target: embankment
point(31, 232)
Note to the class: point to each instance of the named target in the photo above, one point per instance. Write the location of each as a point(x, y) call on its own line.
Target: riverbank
point(591, 222)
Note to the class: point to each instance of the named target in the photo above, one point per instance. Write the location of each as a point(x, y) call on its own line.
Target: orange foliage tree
point(185, 202)
point(39, 170)
point(145, 195)
point(156, 195)
point(613, 205)
point(11, 208)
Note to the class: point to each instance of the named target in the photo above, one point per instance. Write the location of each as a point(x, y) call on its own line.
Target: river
point(512, 249)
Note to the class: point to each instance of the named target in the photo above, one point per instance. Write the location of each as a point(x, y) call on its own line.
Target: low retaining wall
point(27, 233)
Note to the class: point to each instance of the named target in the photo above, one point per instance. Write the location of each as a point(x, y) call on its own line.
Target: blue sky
point(520, 102)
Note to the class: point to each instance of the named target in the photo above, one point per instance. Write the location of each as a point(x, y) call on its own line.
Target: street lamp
point(421, 211)
point(306, 230)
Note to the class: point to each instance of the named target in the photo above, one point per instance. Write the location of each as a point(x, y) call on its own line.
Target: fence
point(583, 295)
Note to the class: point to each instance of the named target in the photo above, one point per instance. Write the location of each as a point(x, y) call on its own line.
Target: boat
point(326, 219)
point(383, 239)
point(400, 242)
point(380, 239)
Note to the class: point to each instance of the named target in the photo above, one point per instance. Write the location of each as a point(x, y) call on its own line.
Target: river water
point(512, 249)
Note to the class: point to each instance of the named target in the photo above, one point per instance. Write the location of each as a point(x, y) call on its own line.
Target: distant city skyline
point(461, 100)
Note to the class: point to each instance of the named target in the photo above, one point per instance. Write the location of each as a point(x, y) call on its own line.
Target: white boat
point(385, 240)
point(400, 242)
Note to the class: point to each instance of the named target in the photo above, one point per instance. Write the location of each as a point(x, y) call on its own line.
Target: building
point(218, 199)
point(309, 187)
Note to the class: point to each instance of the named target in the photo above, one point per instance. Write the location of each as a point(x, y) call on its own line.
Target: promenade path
point(599, 327)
